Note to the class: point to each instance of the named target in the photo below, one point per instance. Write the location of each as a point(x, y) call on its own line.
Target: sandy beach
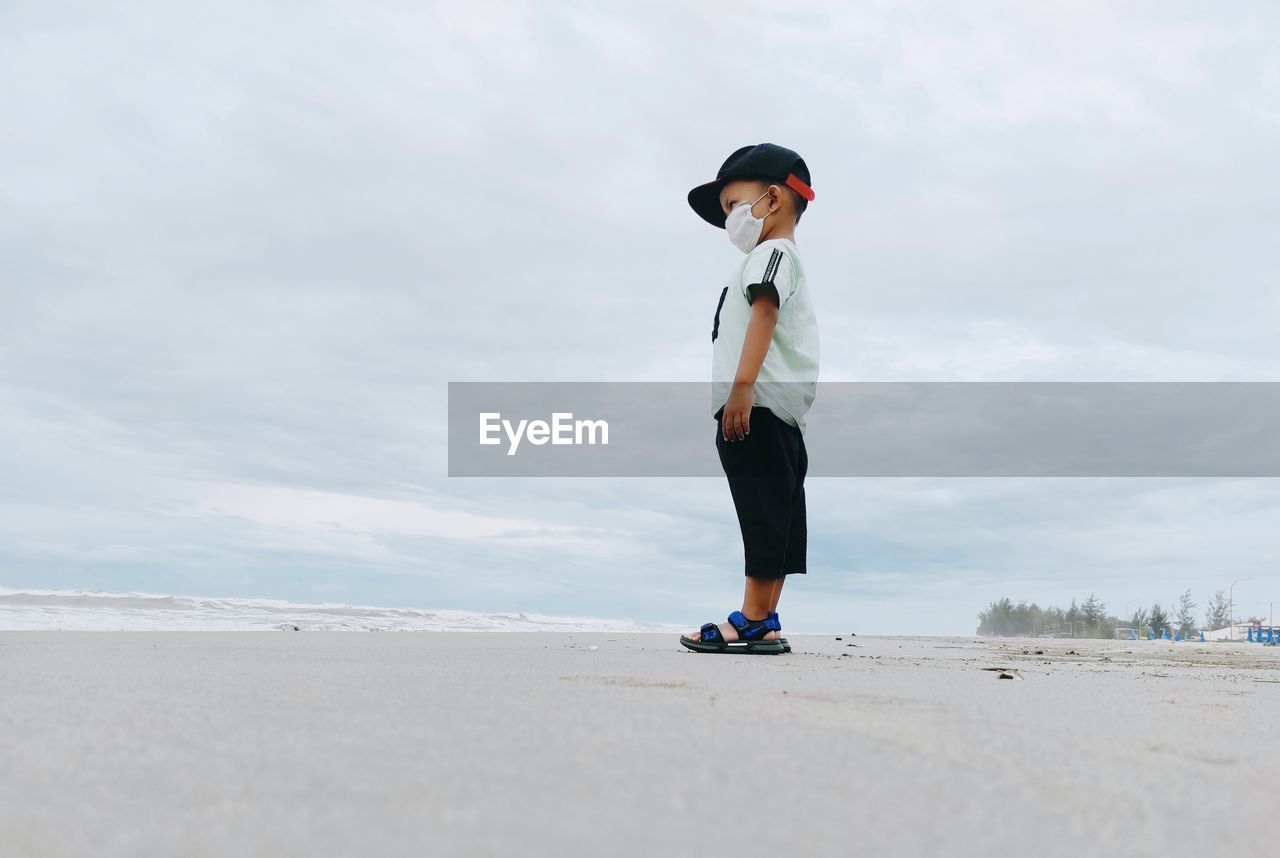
point(531, 744)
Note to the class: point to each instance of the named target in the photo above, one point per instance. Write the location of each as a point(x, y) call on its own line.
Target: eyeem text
point(562, 429)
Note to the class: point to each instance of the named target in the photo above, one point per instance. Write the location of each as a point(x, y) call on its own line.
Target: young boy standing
point(764, 378)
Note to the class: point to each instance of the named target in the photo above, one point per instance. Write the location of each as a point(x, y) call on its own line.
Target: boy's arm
point(735, 423)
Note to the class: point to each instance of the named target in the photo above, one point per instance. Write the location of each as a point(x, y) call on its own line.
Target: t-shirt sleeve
point(769, 273)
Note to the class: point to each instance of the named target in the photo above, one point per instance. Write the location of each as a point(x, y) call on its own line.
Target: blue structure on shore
point(1267, 637)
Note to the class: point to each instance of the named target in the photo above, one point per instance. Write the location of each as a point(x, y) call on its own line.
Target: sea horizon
point(87, 609)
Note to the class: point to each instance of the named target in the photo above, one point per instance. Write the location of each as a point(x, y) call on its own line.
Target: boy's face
point(739, 191)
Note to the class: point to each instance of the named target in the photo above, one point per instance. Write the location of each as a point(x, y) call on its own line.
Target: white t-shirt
point(788, 377)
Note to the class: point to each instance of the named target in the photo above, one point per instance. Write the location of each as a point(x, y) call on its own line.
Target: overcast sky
point(244, 247)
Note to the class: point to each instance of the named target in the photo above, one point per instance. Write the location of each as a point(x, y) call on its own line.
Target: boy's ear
point(780, 193)
point(775, 193)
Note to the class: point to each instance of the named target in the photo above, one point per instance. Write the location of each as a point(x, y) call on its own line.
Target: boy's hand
point(735, 422)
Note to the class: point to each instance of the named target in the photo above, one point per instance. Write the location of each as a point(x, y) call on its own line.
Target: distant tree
point(1053, 620)
point(1157, 619)
point(1107, 626)
point(1186, 617)
point(984, 620)
point(1018, 619)
point(1004, 618)
point(1035, 619)
point(1217, 614)
point(1093, 610)
point(997, 619)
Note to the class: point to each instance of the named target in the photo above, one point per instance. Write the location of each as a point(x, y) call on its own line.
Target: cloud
point(243, 249)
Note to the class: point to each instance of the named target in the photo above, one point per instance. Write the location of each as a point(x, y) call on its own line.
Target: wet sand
point(329, 743)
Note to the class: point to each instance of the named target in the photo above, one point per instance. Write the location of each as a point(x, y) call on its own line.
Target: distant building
point(1237, 632)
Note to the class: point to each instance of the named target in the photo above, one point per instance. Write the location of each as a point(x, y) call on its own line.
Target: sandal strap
point(748, 629)
point(710, 633)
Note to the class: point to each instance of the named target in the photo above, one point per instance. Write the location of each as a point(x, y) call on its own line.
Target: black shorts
point(766, 478)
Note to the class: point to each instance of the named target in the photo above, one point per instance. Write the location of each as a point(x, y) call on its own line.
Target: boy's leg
point(795, 561)
point(759, 596)
point(762, 470)
point(797, 536)
point(776, 593)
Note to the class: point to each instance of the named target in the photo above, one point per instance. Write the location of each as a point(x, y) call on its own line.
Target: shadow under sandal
point(750, 637)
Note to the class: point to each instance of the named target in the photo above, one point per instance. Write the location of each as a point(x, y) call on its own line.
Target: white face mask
point(743, 227)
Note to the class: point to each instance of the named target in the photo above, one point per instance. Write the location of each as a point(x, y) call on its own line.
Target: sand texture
point(533, 744)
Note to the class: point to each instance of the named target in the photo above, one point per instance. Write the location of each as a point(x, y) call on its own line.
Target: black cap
point(763, 161)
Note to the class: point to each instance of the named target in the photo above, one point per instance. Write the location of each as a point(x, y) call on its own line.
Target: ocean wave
point(100, 610)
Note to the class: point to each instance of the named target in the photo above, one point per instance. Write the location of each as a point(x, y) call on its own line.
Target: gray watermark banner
point(876, 429)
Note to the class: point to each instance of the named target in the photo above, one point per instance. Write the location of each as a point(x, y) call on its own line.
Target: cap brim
point(705, 200)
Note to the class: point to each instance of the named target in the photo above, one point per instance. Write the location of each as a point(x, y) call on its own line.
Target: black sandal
point(750, 637)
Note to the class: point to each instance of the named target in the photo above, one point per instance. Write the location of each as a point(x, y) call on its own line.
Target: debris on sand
point(1005, 672)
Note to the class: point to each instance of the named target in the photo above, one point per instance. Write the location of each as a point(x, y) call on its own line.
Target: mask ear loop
point(752, 210)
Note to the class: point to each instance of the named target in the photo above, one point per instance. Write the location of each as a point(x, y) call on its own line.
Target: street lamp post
point(1231, 610)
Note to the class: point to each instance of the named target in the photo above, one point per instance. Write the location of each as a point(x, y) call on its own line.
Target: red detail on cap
point(793, 182)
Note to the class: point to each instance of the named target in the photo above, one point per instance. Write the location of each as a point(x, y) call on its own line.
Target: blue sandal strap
point(710, 633)
point(748, 629)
